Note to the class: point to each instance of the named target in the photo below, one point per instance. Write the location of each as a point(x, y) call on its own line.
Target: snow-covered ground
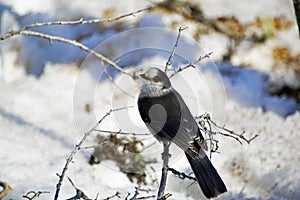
point(45, 94)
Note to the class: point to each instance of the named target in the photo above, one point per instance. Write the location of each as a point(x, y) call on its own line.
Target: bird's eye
point(156, 79)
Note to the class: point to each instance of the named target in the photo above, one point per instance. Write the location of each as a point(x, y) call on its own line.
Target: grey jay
point(169, 119)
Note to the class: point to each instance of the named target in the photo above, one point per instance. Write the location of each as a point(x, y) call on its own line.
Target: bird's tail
point(208, 178)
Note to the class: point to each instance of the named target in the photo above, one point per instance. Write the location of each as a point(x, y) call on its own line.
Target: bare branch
point(117, 194)
point(32, 194)
point(169, 62)
point(180, 69)
point(207, 125)
point(117, 86)
point(191, 64)
point(73, 22)
point(201, 58)
point(231, 133)
point(79, 193)
point(181, 174)
point(52, 38)
point(25, 31)
point(146, 197)
point(164, 172)
point(77, 148)
point(120, 132)
point(137, 192)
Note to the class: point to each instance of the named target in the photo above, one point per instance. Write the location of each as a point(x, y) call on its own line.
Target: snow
point(246, 10)
point(44, 93)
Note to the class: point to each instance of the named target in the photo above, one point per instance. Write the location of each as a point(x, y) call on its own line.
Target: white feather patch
point(153, 90)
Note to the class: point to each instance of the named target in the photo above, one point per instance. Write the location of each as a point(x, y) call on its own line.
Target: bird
point(168, 119)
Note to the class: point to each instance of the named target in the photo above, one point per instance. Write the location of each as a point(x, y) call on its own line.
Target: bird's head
point(154, 82)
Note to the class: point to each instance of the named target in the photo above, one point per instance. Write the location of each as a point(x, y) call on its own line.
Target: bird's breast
point(152, 90)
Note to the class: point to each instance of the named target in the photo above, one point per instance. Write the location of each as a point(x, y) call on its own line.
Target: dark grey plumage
point(169, 119)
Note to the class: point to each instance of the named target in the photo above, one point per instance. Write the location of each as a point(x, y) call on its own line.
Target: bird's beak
point(143, 76)
point(137, 75)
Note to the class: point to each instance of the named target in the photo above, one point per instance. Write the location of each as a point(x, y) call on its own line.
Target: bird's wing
point(181, 129)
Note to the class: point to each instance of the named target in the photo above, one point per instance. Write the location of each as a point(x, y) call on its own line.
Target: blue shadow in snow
point(249, 88)
point(46, 132)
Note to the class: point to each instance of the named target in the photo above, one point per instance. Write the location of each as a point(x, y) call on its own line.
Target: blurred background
point(48, 98)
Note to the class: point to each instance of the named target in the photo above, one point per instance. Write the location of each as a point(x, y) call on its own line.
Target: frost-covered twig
point(211, 128)
point(77, 148)
point(191, 64)
point(169, 62)
point(72, 22)
point(164, 172)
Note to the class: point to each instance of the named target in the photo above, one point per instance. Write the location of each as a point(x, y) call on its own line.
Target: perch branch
point(164, 172)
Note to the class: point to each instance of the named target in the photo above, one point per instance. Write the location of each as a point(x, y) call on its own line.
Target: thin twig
point(169, 62)
point(164, 172)
point(52, 38)
point(181, 175)
point(117, 194)
point(136, 192)
point(72, 22)
point(77, 148)
point(112, 80)
point(33, 194)
point(79, 193)
point(207, 125)
point(128, 194)
point(233, 134)
point(24, 31)
point(191, 64)
point(146, 197)
point(120, 132)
